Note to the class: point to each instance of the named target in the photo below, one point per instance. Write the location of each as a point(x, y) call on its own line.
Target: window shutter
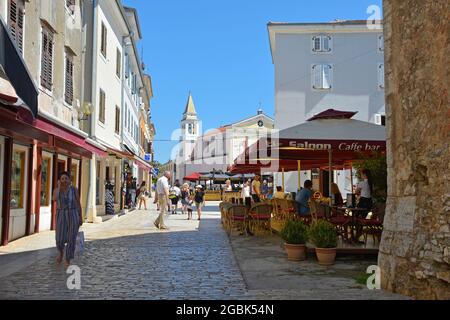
point(326, 43)
point(117, 119)
point(13, 18)
point(327, 76)
point(69, 79)
point(102, 106)
point(16, 21)
point(127, 66)
point(316, 43)
point(104, 40)
point(381, 75)
point(47, 59)
point(381, 43)
point(317, 76)
point(118, 63)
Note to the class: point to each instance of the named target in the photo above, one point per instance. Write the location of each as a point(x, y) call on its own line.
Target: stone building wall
point(415, 249)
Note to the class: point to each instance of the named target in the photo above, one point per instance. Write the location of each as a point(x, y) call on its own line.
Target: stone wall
point(415, 249)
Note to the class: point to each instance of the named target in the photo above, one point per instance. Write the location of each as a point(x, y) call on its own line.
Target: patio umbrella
point(193, 177)
point(331, 136)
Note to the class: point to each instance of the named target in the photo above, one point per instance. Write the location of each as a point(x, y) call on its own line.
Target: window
point(68, 92)
point(118, 63)
point(381, 75)
point(321, 43)
point(70, 4)
point(104, 40)
point(322, 76)
point(45, 182)
point(102, 107)
point(117, 120)
point(47, 58)
point(381, 43)
point(17, 179)
point(380, 119)
point(16, 21)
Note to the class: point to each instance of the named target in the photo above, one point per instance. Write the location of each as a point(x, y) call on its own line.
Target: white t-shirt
point(246, 192)
point(365, 189)
point(177, 191)
point(163, 183)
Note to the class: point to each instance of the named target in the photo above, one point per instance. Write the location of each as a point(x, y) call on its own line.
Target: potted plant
point(323, 235)
point(295, 235)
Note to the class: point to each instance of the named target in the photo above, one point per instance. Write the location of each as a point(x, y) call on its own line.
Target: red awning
point(68, 140)
point(193, 177)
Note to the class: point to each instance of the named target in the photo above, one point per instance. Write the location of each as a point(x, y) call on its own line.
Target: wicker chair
point(259, 218)
point(283, 210)
point(224, 207)
point(237, 219)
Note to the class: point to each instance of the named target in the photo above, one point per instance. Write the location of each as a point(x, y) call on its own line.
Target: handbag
point(79, 246)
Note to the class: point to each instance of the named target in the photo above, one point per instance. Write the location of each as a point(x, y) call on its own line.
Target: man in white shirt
point(162, 189)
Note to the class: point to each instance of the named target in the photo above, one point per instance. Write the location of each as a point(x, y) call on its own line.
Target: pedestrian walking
point(142, 195)
point(68, 218)
point(246, 195)
point(162, 189)
point(109, 198)
point(256, 189)
point(174, 196)
point(184, 198)
point(199, 199)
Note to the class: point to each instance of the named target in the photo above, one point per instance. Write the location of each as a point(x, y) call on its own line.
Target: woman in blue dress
point(68, 218)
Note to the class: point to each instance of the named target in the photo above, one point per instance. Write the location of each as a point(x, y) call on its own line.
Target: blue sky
point(219, 50)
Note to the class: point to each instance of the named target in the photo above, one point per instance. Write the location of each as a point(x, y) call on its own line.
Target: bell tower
point(190, 128)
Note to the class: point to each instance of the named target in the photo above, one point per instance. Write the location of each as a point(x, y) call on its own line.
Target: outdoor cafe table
point(354, 215)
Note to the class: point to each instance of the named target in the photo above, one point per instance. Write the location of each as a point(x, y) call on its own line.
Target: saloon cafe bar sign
point(330, 131)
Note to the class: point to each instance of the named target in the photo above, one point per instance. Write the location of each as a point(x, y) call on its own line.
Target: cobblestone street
point(127, 258)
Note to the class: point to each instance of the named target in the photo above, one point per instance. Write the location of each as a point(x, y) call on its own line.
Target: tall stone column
point(415, 248)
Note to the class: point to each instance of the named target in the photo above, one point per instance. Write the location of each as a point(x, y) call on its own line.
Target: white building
point(319, 66)
point(114, 86)
point(216, 149)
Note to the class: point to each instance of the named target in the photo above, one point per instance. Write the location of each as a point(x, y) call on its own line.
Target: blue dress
point(67, 222)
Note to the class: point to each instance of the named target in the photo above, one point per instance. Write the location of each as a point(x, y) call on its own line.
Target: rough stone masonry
point(415, 249)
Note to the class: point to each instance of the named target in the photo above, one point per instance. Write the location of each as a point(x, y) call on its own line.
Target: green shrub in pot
point(323, 234)
point(294, 232)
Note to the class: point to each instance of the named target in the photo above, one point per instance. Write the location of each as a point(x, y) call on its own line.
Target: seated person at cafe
point(338, 201)
point(279, 194)
point(303, 198)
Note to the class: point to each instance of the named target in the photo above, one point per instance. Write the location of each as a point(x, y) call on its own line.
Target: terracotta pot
point(295, 252)
point(326, 257)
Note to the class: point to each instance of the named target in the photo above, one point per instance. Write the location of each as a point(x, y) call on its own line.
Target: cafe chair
point(260, 216)
point(373, 226)
point(237, 219)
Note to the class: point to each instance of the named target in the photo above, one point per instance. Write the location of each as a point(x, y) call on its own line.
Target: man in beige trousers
point(162, 189)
